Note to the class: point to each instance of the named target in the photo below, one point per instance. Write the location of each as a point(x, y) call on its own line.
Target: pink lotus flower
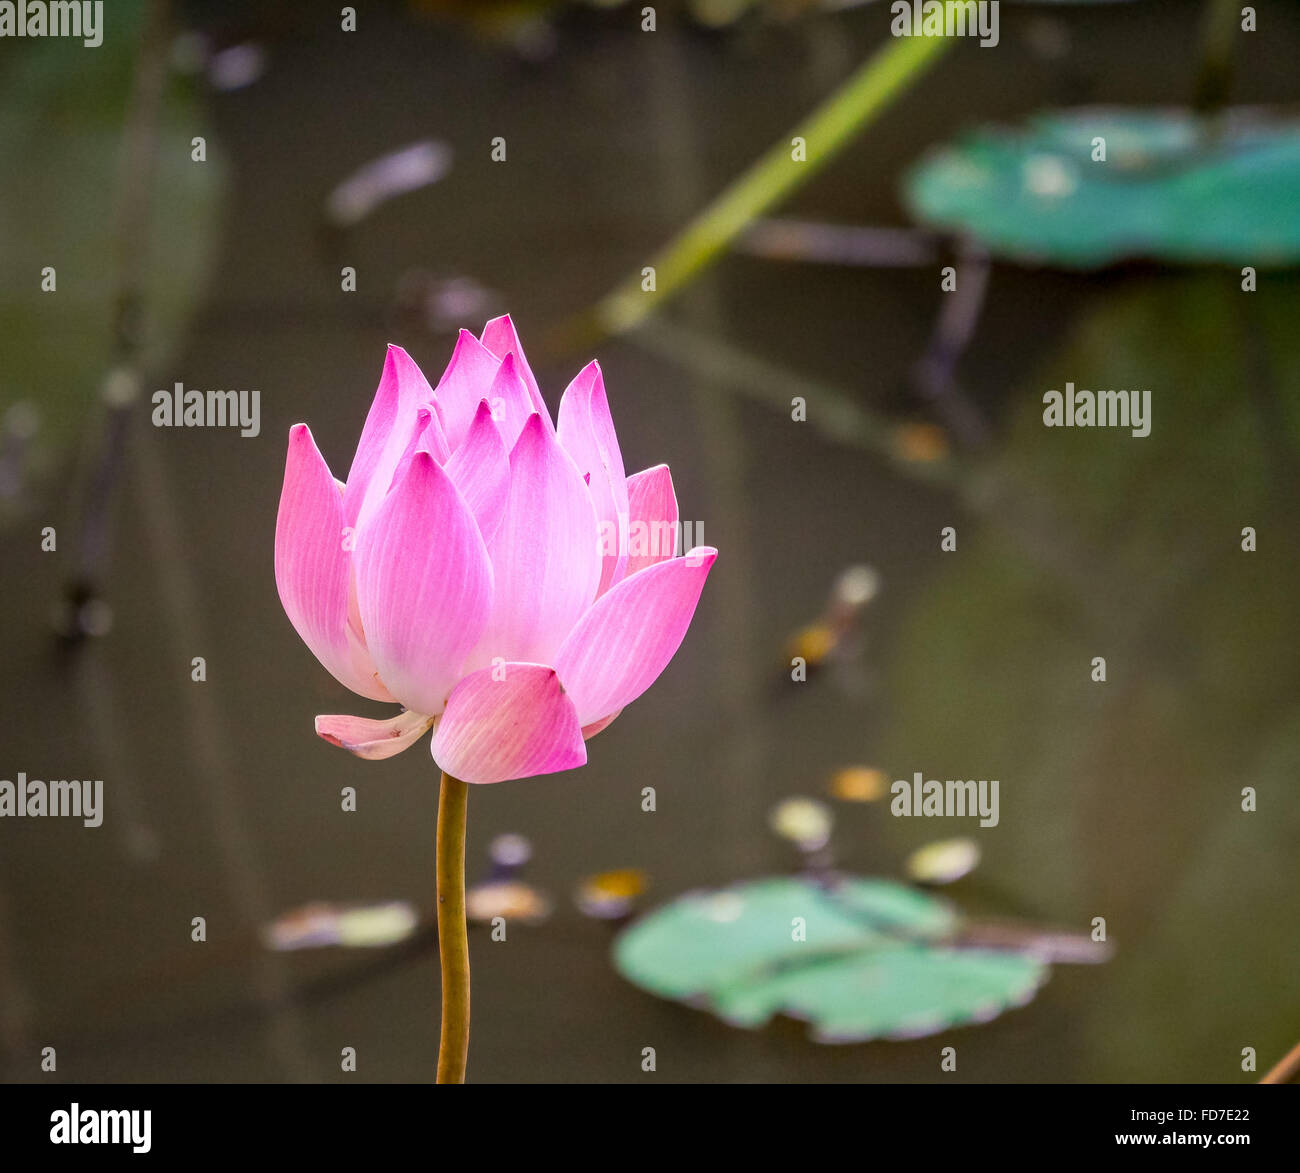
point(497, 576)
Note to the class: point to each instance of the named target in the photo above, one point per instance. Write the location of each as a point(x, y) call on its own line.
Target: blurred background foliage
point(1119, 800)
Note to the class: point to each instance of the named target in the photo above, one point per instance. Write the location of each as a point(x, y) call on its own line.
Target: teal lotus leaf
point(862, 959)
point(1172, 188)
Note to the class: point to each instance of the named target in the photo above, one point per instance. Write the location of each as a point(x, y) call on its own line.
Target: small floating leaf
point(314, 926)
point(610, 895)
point(859, 784)
point(512, 899)
point(804, 821)
point(943, 862)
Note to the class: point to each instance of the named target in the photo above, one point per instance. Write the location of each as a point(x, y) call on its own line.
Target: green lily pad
point(1172, 188)
point(860, 960)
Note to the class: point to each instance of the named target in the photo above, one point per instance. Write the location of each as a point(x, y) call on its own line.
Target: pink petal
point(510, 401)
point(427, 436)
point(467, 380)
point(501, 338)
point(312, 566)
point(621, 645)
point(388, 429)
point(480, 468)
point(424, 586)
point(587, 433)
point(508, 721)
point(590, 731)
point(374, 740)
point(545, 559)
point(433, 439)
point(652, 514)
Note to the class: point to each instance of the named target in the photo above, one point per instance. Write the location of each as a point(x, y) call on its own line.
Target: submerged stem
point(768, 181)
point(453, 941)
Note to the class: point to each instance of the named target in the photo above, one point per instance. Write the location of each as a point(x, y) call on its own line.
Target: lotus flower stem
point(773, 177)
point(453, 941)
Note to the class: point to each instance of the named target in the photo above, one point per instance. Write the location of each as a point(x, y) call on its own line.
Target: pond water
point(1119, 800)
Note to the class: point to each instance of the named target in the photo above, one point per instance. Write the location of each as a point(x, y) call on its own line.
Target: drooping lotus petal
point(311, 565)
point(424, 585)
point(510, 401)
point(464, 384)
point(652, 518)
point(510, 720)
point(620, 646)
point(590, 731)
point(545, 559)
point(370, 739)
point(481, 469)
point(501, 338)
point(587, 433)
point(389, 426)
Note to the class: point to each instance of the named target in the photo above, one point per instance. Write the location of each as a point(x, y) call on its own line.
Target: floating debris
point(390, 175)
point(611, 895)
point(943, 862)
point(805, 822)
point(510, 850)
point(921, 443)
point(440, 304)
point(511, 899)
point(859, 784)
point(318, 925)
point(237, 67)
point(833, 634)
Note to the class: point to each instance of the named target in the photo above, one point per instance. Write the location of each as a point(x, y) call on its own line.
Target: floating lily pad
point(863, 959)
point(1172, 188)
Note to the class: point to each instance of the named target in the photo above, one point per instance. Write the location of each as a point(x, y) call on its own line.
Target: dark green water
point(1119, 800)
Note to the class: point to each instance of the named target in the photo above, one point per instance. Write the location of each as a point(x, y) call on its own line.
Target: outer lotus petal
point(545, 560)
point(587, 433)
point(481, 469)
point(374, 740)
point(510, 401)
point(652, 515)
point(501, 338)
point(467, 380)
point(621, 645)
point(389, 426)
point(311, 565)
point(424, 586)
point(508, 721)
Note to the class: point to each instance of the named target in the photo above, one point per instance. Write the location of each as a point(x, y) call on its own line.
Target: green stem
point(1286, 1069)
point(453, 941)
point(1219, 31)
point(773, 177)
